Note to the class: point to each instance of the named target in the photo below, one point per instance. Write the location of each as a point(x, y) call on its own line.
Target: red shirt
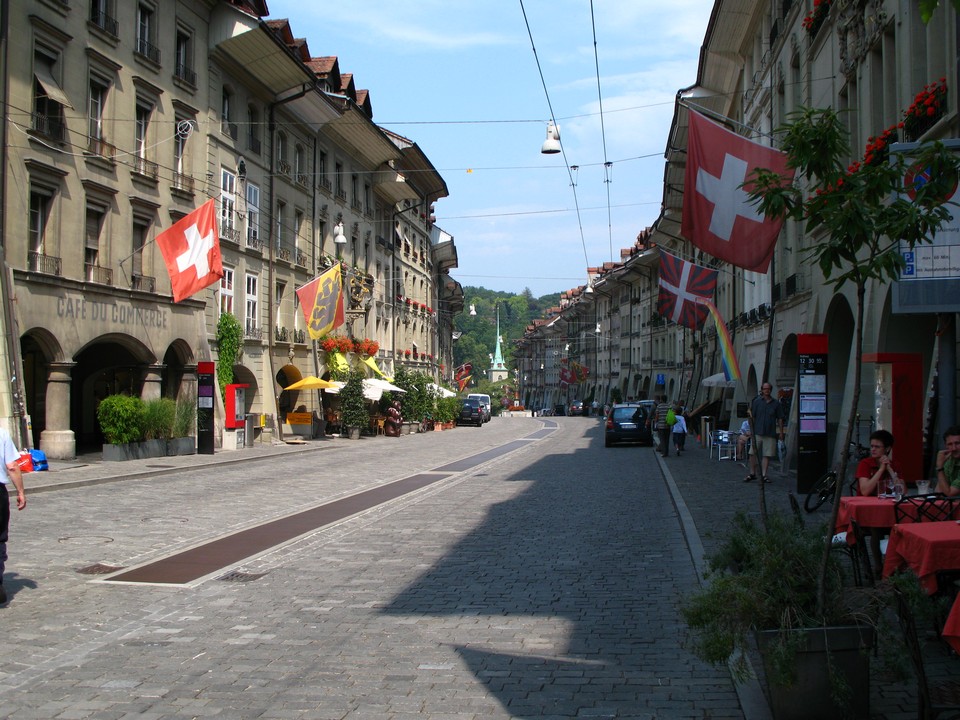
point(867, 468)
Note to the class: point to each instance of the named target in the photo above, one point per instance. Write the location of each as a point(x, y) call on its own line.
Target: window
point(141, 228)
point(183, 69)
point(226, 114)
point(282, 252)
point(281, 153)
point(147, 33)
point(102, 15)
point(226, 291)
point(341, 192)
point(49, 100)
point(142, 121)
point(40, 202)
point(180, 176)
point(297, 229)
point(355, 191)
point(97, 101)
point(322, 170)
point(94, 227)
point(253, 216)
point(251, 326)
point(253, 129)
point(367, 204)
point(228, 201)
point(299, 165)
point(279, 292)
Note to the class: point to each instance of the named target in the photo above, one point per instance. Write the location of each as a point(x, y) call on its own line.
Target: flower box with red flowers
point(927, 108)
point(344, 345)
point(814, 19)
point(406, 353)
point(329, 344)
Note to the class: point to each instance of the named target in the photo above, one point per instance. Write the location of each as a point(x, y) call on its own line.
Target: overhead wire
point(603, 134)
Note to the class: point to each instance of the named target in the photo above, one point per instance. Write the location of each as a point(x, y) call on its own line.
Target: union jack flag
point(682, 286)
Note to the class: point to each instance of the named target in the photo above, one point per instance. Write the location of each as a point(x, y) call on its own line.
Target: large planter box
point(149, 449)
point(809, 696)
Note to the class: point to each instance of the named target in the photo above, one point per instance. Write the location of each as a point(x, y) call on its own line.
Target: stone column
point(152, 383)
point(57, 440)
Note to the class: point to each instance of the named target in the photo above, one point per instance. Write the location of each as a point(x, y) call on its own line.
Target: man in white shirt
point(10, 457)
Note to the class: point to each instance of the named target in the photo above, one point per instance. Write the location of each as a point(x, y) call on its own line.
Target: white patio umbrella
point(441, 391)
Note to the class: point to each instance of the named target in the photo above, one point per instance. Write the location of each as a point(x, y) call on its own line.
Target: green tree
point(857, 216)
point(353, 405)
point(229, 340)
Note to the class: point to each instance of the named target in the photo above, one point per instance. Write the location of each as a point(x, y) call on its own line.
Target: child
point(679, 430)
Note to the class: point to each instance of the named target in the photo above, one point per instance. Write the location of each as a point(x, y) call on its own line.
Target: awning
point(50, 86)
point(310, 382)
point(383, 385)
point(718, 380)
point(372, 364)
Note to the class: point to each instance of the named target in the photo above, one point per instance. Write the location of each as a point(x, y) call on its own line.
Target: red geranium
point(328, 344)
point(407, 353)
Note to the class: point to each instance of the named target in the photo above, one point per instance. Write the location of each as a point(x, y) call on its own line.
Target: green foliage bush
point(122, 419)
point(159, 417)
point(229, 340)
point(353, 405)
point(448, 408)
point(185, 416)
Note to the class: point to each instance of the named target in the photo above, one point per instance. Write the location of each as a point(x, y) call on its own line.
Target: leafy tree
point(353, 405)
point(229, 339)
point(857, 215)
point(928, 6)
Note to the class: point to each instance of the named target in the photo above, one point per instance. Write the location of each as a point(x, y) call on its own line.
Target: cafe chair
point(933, 700)
point(939, 508)
point(724, 442)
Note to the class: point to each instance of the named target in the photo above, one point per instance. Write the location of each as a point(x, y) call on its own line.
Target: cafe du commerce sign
point(113, 312)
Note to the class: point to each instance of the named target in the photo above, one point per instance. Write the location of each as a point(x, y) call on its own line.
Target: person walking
point(679, 430)
point(767, 420)
point(10, 457)
point(661, 426)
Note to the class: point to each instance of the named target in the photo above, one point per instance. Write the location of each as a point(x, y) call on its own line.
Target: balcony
point(148, 50)
point(106, 23)
point(302, 179)
point(99, 275)
point(253, 241)
point(229, 128)
point(281, 334)
point(341, 194)
point(300, 336)
point(252, 331)
point(284, 167)
point(46, 264)
point(145, 167)
point(182, 183)
point(326, 184)
point(144, 283)
point(101, 148)
point(187, 74)
point(301, 257)
point(230, 233)
point(51, 127)
point(283, 254)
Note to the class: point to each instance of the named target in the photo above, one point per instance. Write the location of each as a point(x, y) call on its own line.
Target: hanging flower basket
point(815, 18)
point(344, 344)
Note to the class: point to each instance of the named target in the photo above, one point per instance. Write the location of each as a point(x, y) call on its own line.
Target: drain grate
point(237, 576)
point(99, 569)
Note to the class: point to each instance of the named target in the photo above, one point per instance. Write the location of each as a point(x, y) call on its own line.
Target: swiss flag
point(718, 216)
point(683, 285)
point(191, 251)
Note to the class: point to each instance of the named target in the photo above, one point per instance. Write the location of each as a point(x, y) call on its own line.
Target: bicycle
point(825, 487)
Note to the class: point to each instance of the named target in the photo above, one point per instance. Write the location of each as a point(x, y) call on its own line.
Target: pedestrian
point(679, 430)
point(10, 457)
point(948, 463)
point(595, 408)
point(661, 426)
point(767, 416)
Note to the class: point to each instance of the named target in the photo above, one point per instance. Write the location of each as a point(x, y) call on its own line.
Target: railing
point(99, 275)
point(301, 257)
point(299, 336)
point(280, 334)
point(253, 144)
point(283, 166)
point(105, 22)
point(145, 167)
point(341, 194)
point(148, 50)
point(302, 179)
point(46, 264)
point(101, 148)
point(52, 127)
point(185, 73)
point(182, 182)
point(253, 241)
point(283, 253)
point(326, 184)
point(356, 205)
point(228, 128)
point(144, 283)
point(228, 232)
point(251, 330)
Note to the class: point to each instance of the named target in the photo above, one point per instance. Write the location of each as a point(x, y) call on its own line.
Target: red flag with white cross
point(191, 251)
point(718, 215)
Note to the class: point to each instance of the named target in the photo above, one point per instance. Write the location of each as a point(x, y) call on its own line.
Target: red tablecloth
point(927, 548)
point(869, 512)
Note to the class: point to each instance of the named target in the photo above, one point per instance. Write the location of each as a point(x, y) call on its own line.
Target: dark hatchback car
point(471, 413)
point(627, 423)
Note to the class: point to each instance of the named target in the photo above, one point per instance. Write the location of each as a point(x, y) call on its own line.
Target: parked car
point(627, 422)
point(576, 407)
point(471, 412)
point(485, 402)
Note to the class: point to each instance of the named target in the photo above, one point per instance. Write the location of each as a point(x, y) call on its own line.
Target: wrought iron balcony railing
point(46, 264)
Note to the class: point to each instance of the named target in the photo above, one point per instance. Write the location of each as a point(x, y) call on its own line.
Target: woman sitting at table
point(873, 471)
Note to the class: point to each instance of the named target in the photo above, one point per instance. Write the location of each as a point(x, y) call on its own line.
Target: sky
point(462, 79)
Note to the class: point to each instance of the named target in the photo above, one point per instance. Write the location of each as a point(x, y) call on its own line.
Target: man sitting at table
point(948, 463)
point(873, 471)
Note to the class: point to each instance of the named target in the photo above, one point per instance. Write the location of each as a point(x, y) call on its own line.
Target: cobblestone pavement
point(541, 584)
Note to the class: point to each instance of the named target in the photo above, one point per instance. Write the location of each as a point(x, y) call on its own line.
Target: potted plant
point(354, 415)
point(763, 588)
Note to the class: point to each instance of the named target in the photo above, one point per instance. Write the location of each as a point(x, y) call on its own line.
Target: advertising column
point(812, 457)
point(206, 387)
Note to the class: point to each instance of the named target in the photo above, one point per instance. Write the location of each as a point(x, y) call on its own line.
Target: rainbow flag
point(731, 368)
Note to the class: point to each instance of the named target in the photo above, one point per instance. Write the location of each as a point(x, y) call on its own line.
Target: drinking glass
point(923, 487)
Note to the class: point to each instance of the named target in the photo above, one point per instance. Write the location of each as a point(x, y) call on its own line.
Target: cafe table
point(869, 511)
point(927, 548)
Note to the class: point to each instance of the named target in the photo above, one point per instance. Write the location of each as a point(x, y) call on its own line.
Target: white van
point(485, 400)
